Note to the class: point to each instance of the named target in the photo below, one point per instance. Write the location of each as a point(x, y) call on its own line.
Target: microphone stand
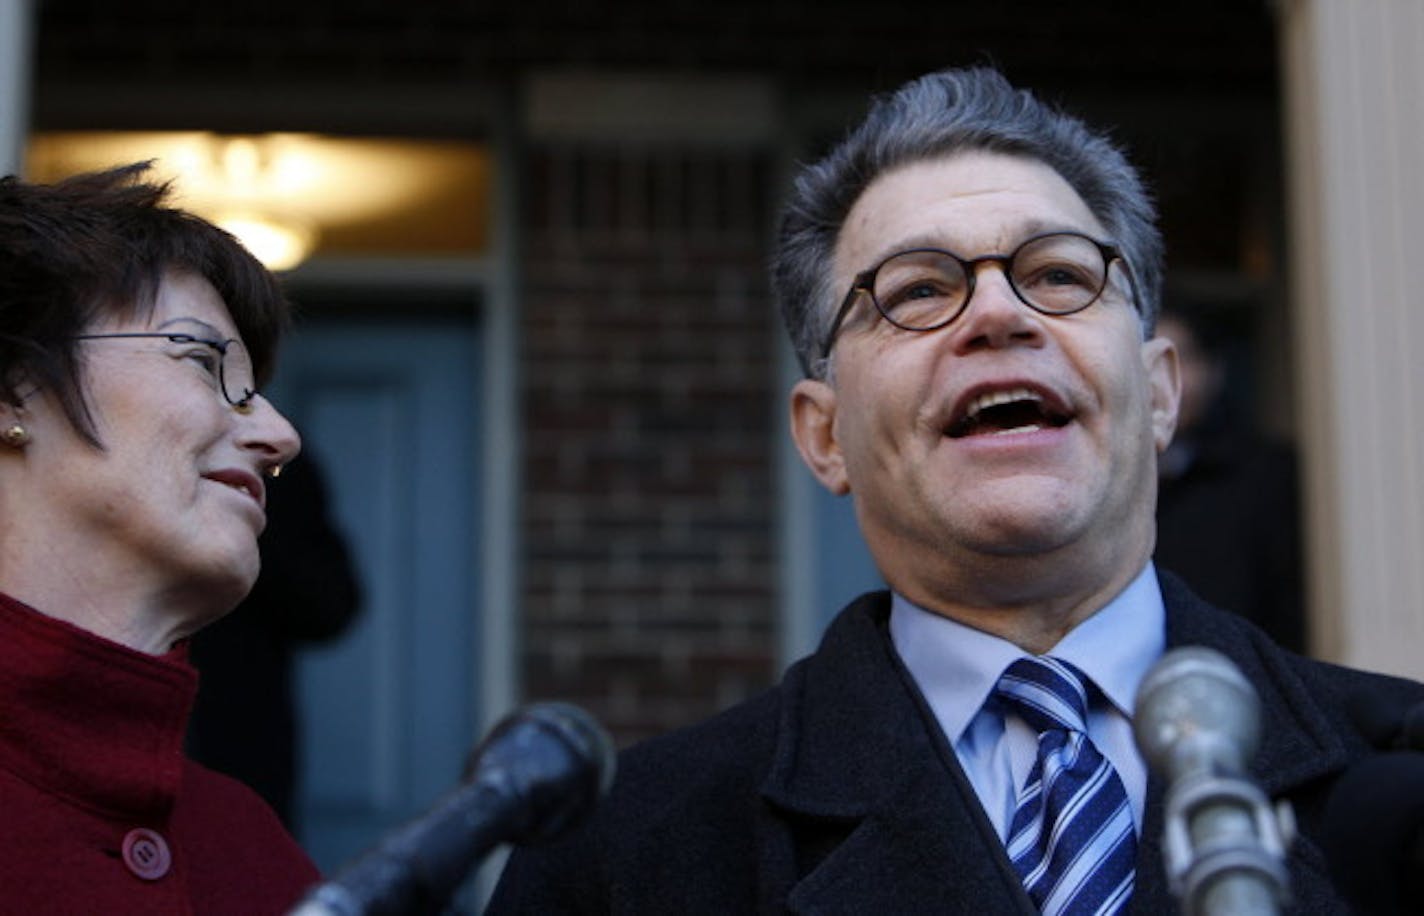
point(1225, 847)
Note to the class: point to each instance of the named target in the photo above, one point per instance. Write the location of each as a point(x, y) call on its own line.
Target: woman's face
point(176, 496)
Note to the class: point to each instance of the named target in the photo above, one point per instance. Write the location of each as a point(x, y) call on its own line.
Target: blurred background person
point(244, 723)
point(133, 456)
point(1228, 516)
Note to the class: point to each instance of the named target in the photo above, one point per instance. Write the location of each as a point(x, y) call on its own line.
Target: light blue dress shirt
point(956, 668)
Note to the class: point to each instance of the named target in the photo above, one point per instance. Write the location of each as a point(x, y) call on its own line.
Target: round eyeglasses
point(924, 289)
point(226, 362)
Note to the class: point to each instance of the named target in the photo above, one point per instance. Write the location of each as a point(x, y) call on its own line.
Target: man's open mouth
point(1014, 410)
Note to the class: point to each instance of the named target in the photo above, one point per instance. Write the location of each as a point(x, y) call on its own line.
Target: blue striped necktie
point(1071, 840)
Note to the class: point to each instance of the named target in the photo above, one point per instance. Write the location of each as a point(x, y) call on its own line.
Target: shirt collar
point(1117, 645)
point(956, 666)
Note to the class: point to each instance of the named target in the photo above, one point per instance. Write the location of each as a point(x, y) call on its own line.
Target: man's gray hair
point(937, 115)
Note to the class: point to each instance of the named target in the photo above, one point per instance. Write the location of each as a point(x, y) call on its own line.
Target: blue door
point(388, 711)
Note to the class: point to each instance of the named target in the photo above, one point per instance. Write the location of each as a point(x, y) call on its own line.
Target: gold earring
point(274, 471)
point(15, 435)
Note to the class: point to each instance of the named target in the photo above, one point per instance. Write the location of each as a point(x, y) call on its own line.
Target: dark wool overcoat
point(836, 792)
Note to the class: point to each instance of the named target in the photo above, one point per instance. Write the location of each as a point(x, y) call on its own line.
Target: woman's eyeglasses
point(226, 362)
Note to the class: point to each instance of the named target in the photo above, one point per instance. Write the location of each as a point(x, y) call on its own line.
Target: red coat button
point(146, 854)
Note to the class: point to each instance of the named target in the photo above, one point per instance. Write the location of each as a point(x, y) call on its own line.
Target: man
point(970, 280)
point(1227, 515)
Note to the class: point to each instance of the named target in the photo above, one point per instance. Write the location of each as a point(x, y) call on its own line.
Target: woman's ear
point(13, 431)
point(813, 429)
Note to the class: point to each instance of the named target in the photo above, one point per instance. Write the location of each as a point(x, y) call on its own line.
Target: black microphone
point(1197, 722)
point(539, 772)
point(1374, 833)
point(1385, 720)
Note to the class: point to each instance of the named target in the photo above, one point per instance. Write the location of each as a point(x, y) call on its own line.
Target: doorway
point(387, 406)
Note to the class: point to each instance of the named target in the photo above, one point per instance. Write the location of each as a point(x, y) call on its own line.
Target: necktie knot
point(1048, 693)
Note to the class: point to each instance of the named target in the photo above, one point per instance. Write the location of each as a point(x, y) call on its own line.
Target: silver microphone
point(1198, 723)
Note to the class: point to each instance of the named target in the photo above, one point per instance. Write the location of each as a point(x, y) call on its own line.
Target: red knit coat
point(100, 812)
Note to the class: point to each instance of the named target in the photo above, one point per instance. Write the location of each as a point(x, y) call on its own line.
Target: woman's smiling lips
point(242, 481)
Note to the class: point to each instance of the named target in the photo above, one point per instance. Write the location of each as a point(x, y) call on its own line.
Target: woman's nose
point(265, 429)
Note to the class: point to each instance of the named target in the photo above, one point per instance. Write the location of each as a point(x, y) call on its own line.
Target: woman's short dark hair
point(97, 246)
point(938, 115)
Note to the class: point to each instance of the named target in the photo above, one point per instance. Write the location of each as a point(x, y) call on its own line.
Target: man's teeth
point(995, 398)
point(240, 488)
point(1032, 427)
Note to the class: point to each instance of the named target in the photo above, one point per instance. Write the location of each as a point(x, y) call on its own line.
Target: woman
point(133, 448)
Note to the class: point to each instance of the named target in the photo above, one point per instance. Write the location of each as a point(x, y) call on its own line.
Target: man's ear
point(813, 429)
point(1164, 377)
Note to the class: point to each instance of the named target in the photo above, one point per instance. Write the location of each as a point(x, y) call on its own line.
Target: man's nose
point(995, 316)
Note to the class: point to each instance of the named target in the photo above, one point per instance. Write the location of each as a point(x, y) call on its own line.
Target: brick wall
point(648, 388)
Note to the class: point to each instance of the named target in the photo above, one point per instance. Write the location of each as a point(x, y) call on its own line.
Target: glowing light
point(288, 196)
point(279, 244)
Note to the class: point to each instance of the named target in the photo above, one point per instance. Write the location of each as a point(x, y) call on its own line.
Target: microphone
point(1374, 833)
point(1197, 722)
point(1385, 720)
point(539, 772)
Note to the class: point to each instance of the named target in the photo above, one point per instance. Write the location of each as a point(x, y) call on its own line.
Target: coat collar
point(859, 749)
point(90, 720)
point(1299, 742)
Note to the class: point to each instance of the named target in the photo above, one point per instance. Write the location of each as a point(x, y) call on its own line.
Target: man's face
point(943, 478)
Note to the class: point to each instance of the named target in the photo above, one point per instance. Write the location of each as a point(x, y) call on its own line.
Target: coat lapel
point(871, 802)
point(1299, 744)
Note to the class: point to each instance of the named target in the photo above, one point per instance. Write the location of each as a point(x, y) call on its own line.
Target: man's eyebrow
point(1021, 233)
